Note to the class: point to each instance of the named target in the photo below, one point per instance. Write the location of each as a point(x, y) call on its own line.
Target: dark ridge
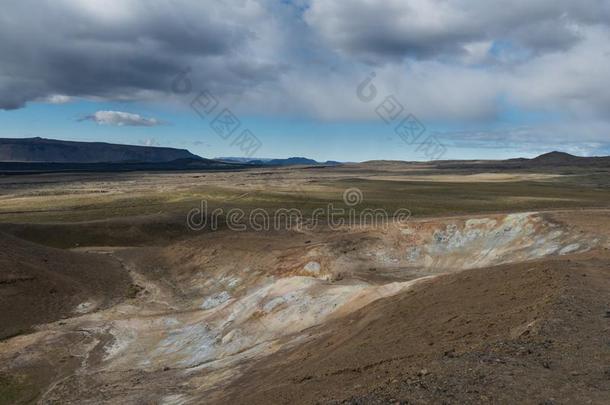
point(43, 150)
point(545, 161)
point(15, 168)
point(556, 157)
point(293, 161)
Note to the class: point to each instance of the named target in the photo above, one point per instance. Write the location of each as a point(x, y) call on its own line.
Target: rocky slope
point(40, 284)
point(337, 314)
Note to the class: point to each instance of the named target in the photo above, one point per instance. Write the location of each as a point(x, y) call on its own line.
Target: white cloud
point(149, 142)
point(119, 118)
point(58, 99)
point(571, 81)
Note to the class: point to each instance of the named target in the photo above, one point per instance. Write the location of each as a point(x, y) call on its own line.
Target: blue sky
point(485, 83)
point(280, 136)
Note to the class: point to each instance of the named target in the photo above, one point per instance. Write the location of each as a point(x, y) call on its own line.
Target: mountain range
point(39, 155)
point(292, 161)
point(41, 150)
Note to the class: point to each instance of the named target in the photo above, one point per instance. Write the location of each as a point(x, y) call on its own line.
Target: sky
point(347, 80)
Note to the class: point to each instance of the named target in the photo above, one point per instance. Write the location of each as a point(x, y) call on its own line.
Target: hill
point(556, 158)
point(291, 161)
point(40, 284)
point(57, 151)
point(546, 161)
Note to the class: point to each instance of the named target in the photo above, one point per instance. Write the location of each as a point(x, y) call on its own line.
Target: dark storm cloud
point(123, 50)
point(424, 29)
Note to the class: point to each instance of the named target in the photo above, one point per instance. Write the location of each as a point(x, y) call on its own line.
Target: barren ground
point(497, 289)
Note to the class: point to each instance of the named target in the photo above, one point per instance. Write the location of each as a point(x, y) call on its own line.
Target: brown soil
point(40, 285)
point(533, 332)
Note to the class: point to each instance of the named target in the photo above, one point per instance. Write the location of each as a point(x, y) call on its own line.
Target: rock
point(423, 372)
point(313, 268)
point(215, 300)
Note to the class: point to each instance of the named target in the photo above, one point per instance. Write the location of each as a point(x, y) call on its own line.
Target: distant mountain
point(545, 161)
point(292, 161)
point(56, 151)
point(39, 155)
point(556, 158)
point(565, 159)
point(242, 159)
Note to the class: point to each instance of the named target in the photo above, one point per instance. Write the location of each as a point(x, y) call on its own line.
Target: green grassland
point(119, 216)
point(421, 197)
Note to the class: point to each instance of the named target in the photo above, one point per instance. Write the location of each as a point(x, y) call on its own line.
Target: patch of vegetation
point(16, 390)
point(445, 198)
point(158, 214)
point(133, 290)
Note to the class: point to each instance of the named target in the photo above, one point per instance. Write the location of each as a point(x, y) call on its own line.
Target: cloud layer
point(461, 61)
point(436, 28)
point(126, 49)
